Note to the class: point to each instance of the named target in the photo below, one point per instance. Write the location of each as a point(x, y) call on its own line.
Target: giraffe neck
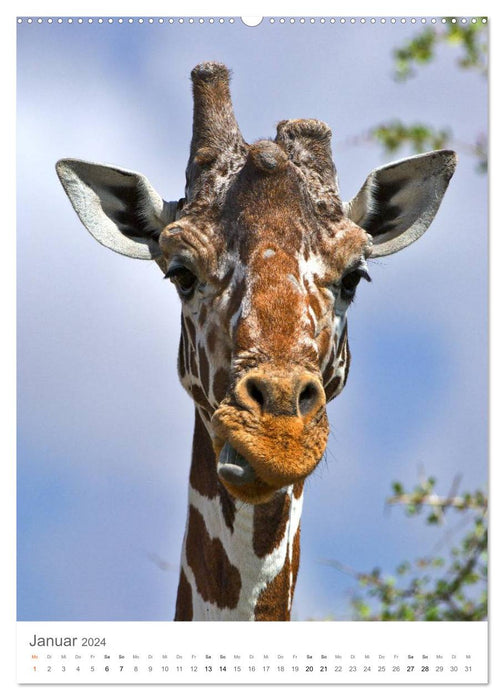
point(239, 561)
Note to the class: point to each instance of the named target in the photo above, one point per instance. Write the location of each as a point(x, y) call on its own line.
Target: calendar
point(255, 400)
point(309, 653)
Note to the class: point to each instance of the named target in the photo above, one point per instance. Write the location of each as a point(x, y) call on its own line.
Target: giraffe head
point(266, 259)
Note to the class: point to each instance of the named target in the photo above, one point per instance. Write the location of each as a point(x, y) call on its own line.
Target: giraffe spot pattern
point(203, 554)
point(220, 384)
point(271, 517)
point(202, 476)
point(204, 370)
point(296, 556)
point(184, 605)
point(273, 602)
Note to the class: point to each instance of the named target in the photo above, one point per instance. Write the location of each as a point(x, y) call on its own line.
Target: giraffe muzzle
point(270, 432)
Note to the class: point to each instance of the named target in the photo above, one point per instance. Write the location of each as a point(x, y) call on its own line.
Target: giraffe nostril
point(255, 392)
point(309, 398)
point(288, 394)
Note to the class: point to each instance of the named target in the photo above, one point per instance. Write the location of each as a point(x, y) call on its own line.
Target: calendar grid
point(311, 653)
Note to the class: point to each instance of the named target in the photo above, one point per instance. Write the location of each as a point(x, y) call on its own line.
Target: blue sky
point(104, 429)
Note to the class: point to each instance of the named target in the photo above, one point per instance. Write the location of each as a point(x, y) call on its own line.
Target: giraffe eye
point(183, 278)
point(351, 280)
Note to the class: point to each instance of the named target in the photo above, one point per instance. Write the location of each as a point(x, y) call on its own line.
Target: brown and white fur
point(266, 258)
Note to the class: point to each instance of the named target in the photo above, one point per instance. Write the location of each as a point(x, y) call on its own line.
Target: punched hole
point(251, 21)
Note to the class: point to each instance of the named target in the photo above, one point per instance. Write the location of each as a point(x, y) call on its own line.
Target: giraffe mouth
point(233, 468)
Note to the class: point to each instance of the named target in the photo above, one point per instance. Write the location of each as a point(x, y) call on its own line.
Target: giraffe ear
point(118, 207)
point(398, 202)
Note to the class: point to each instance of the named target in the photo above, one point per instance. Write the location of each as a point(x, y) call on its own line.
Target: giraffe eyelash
point(350, 280)
point(174, 271)
point(184, 279)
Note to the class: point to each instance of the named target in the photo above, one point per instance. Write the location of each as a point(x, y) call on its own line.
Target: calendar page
point(271, 403)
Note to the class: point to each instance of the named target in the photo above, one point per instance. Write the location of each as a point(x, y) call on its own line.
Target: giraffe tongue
point(234, 468)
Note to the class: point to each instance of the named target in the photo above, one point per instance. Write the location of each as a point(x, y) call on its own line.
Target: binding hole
point(252, 21)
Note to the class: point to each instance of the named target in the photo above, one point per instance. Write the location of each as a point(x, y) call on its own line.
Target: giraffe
point(266, 259)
